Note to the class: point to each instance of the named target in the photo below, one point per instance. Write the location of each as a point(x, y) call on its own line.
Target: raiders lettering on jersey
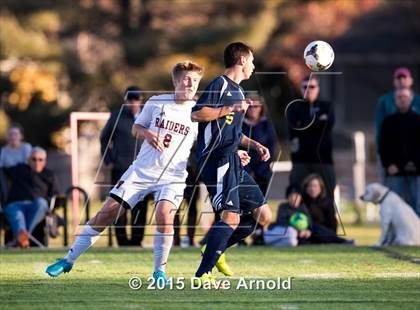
point(172, 126)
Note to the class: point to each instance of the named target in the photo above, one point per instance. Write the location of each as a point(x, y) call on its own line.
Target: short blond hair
point(188, 66)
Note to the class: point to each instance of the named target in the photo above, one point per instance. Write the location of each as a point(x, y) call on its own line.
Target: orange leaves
point(30, 80)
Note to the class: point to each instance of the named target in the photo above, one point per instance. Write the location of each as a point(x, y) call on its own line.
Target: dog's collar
point(383, 197)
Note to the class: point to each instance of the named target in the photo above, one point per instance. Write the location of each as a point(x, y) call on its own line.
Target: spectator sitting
point(399, 150)
point(322, 211)
point(13, 153)
point(32, 185)
point(321, 208)
point(16, 151)
point(294, 225)
point(282, 232)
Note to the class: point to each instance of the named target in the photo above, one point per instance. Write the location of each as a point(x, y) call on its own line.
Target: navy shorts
point(230, 187)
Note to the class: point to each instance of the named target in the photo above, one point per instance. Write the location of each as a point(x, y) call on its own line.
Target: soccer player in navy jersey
point(234, 194)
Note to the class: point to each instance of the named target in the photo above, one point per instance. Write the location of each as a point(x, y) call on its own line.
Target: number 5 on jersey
point(229, 118)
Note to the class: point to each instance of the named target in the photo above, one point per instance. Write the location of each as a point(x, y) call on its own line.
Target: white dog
point(400, 224)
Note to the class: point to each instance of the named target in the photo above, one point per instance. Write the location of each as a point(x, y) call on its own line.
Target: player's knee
point(232, 225)
point(164, 221)
point(165, 228)
point(107, 215)
point(231, 218)
point(264, 215)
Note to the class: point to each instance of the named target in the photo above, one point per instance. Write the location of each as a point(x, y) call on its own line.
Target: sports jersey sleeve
point(212, 95)
point(195, 129)
point(145, 117)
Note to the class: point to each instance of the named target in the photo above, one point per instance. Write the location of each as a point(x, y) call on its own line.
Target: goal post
point(75, 118)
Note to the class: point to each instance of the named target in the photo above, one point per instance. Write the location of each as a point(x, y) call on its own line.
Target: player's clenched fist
point(244, 157)
point(263, 151)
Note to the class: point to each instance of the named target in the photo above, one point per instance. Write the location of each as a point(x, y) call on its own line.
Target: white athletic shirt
point(173, 124)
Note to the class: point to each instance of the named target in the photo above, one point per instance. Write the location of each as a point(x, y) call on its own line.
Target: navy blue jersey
point(222, 136)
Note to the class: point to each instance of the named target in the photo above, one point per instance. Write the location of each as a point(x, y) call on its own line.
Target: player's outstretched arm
point(261, 149)
point(140, 132)
point(208, 114)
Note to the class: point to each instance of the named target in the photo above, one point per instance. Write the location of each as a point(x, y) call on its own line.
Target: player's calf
point(217, 240)
point(88, 236)
point(165, 213)
point(163, 239)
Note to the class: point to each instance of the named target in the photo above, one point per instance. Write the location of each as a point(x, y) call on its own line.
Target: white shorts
point(134, 186)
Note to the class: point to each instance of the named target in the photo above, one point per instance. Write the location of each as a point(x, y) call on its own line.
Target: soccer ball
point(299, 221)
point(318, 55)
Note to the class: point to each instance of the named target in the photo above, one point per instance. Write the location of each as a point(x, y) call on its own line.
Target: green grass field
point(324, 276)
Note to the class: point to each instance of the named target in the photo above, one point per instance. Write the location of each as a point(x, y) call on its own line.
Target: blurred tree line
point(59, 56)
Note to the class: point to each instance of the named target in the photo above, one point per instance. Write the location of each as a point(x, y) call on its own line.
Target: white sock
point(84, 241)
point(162, 247)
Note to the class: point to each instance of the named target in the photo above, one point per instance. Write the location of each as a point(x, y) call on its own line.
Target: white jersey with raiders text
point(172, 122)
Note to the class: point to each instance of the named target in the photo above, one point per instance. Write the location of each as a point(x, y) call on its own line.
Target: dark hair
point(133, 93)
point(18, 127)
point(292, 188)
point(233, 53)
point(307, 78)
point(308, 180)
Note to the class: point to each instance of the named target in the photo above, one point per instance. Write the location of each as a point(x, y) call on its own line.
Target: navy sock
point(245, 228)
point(217, 239)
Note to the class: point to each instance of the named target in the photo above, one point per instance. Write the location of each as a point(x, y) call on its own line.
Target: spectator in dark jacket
point(288, 232)
point(16, 151)
point(282, 232)
point(191, 194)
point(3, 188)
point(386, 105)
point(399, 149)
point(322, 212)
point(321, 207)
point(32, 186)
point(294, 204)
point(310, 124)
point(120, 148)
point(257, 126)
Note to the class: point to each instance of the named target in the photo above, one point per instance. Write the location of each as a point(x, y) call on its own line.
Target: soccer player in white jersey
point(159, 168)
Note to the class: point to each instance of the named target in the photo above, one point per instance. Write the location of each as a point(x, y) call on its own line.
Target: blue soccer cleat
point(160, 278)
point(60, 266)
